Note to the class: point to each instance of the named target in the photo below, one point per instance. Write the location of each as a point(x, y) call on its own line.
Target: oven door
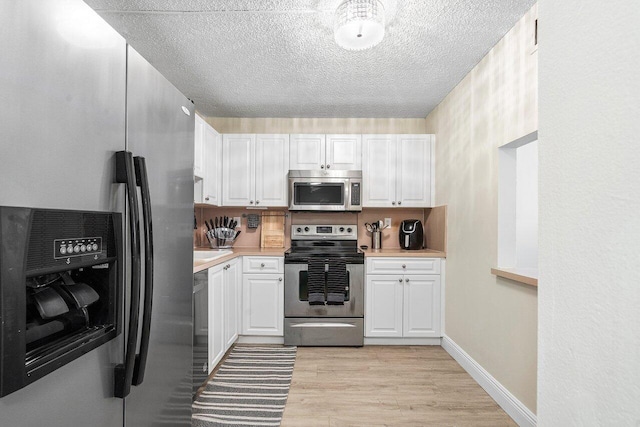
point(296, 291)
point(319, 194)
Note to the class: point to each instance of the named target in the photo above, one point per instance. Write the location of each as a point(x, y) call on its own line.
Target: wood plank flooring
point(386, 386)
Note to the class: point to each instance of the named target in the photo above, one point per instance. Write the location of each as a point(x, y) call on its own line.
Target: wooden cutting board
point(272, 234)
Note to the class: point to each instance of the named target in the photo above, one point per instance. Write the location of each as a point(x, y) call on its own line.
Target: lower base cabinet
point(223, 309)
point(399, 304)
point(263, 296)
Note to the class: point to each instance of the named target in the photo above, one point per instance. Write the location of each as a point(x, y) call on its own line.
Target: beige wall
point(310, 125)
point(494, 320)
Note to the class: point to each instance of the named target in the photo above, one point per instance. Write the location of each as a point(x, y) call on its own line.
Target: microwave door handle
point(125, 173)
point(143, 182)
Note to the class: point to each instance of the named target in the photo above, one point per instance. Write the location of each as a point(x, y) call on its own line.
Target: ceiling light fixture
point(359, 24)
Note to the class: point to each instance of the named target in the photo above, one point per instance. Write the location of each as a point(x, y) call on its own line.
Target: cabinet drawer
point(403, 266)
point(262, 264)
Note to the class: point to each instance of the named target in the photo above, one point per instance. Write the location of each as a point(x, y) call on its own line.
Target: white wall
point(493, 320)
point(589, 259)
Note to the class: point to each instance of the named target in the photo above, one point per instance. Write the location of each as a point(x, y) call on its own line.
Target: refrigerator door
point(159, 130)
point(62, 119)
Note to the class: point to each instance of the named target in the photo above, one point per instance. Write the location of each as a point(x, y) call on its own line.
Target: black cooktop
point(303, 249)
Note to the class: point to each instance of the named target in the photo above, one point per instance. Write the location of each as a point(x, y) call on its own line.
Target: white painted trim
point(507, 401)
point(443, 274)
point(433, 170)
point(257, 339)
point(401, 341)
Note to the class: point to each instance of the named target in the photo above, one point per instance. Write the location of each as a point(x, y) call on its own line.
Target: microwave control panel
point(355, 194)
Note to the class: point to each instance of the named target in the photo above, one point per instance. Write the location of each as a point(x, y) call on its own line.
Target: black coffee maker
point(411, 234)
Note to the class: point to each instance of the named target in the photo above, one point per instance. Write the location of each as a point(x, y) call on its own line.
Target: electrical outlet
point(238, 219)
point(387, 222)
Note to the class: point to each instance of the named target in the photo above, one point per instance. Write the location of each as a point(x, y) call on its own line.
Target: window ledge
point(528, 276)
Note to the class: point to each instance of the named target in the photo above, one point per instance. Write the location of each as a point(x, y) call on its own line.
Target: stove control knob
point(306, 229)
point(349, 230)
point(299, 230)
point(342, 229)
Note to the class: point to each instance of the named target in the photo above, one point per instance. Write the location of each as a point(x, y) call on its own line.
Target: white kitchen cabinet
point(231, 302)
point(216, 315)
point(212, 181)
point(207, 169)
point(402, 302)
point(198, 136)
point(397, 170)
point(329, 152)
point(254, 170)
point(262, 298)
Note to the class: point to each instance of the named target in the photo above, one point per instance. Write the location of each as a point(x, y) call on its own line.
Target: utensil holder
point(376, 240)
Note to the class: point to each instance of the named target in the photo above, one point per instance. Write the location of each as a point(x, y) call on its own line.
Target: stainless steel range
point(324, 287)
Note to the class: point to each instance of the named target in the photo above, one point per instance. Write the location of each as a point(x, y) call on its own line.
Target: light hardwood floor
point(386, 386)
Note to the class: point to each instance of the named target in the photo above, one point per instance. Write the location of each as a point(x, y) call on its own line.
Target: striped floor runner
point(249, 389)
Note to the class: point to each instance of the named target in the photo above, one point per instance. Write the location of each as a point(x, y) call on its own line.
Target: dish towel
point(336, 281)
point(316, 281)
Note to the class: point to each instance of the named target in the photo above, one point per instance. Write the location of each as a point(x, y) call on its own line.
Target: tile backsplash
point(250, 238)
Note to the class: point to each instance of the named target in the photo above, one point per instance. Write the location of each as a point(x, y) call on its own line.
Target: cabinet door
point(198, 141)
point(216, 315)
point(307, 152)
point(262, 304)
point(344, 152)
point(421, 306)
point(272, 167)
point(211, 186)
point(383, 306)
point(413, 184)
point(231, 303)
point(238, 169)
point(379, 171)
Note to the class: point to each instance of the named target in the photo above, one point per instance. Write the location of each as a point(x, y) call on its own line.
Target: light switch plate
point(238, 219)
point(387, 222)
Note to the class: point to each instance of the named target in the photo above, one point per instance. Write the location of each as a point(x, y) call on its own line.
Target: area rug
point(249, 389)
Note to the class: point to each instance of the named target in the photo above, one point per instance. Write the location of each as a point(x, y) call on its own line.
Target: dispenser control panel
point(65, 248)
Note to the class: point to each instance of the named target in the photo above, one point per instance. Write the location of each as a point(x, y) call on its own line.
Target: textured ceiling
point(278, 58)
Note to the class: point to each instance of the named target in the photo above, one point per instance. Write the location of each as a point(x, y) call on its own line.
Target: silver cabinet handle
point(206, 198)
point(262, 265)
point(321, 166)
point(399, 203)
point(328, 166)
point(250, 202)
point(257, 201)
point(406, 280)
point(228, 265)
point(280, 279)
point(400, 280)
point(404, 266)
point(393, 203)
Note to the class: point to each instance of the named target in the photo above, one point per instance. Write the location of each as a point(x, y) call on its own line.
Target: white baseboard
point(401, 341)
point(511, 405)
point(259, 339)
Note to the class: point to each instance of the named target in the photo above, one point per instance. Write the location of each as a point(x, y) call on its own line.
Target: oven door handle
point(125, 174)
point(142, 181)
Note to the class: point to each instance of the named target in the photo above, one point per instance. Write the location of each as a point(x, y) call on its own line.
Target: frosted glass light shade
point(359, 24)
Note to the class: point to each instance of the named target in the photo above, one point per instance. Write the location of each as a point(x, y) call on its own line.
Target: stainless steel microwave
point(315, 190)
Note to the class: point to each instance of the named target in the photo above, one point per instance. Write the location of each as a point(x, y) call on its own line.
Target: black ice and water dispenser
point(60, 289)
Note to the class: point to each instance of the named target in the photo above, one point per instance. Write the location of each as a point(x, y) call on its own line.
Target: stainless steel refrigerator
point(73, 94)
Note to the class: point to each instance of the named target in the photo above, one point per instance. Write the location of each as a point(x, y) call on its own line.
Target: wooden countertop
point(397, 252)
point(199, 265)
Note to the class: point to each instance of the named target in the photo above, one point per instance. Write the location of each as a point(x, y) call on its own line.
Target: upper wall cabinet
point(319, 151)
point(212, 183)
point(397, 170)
point(198, 161)
point(207, 169)
point(254, 170)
